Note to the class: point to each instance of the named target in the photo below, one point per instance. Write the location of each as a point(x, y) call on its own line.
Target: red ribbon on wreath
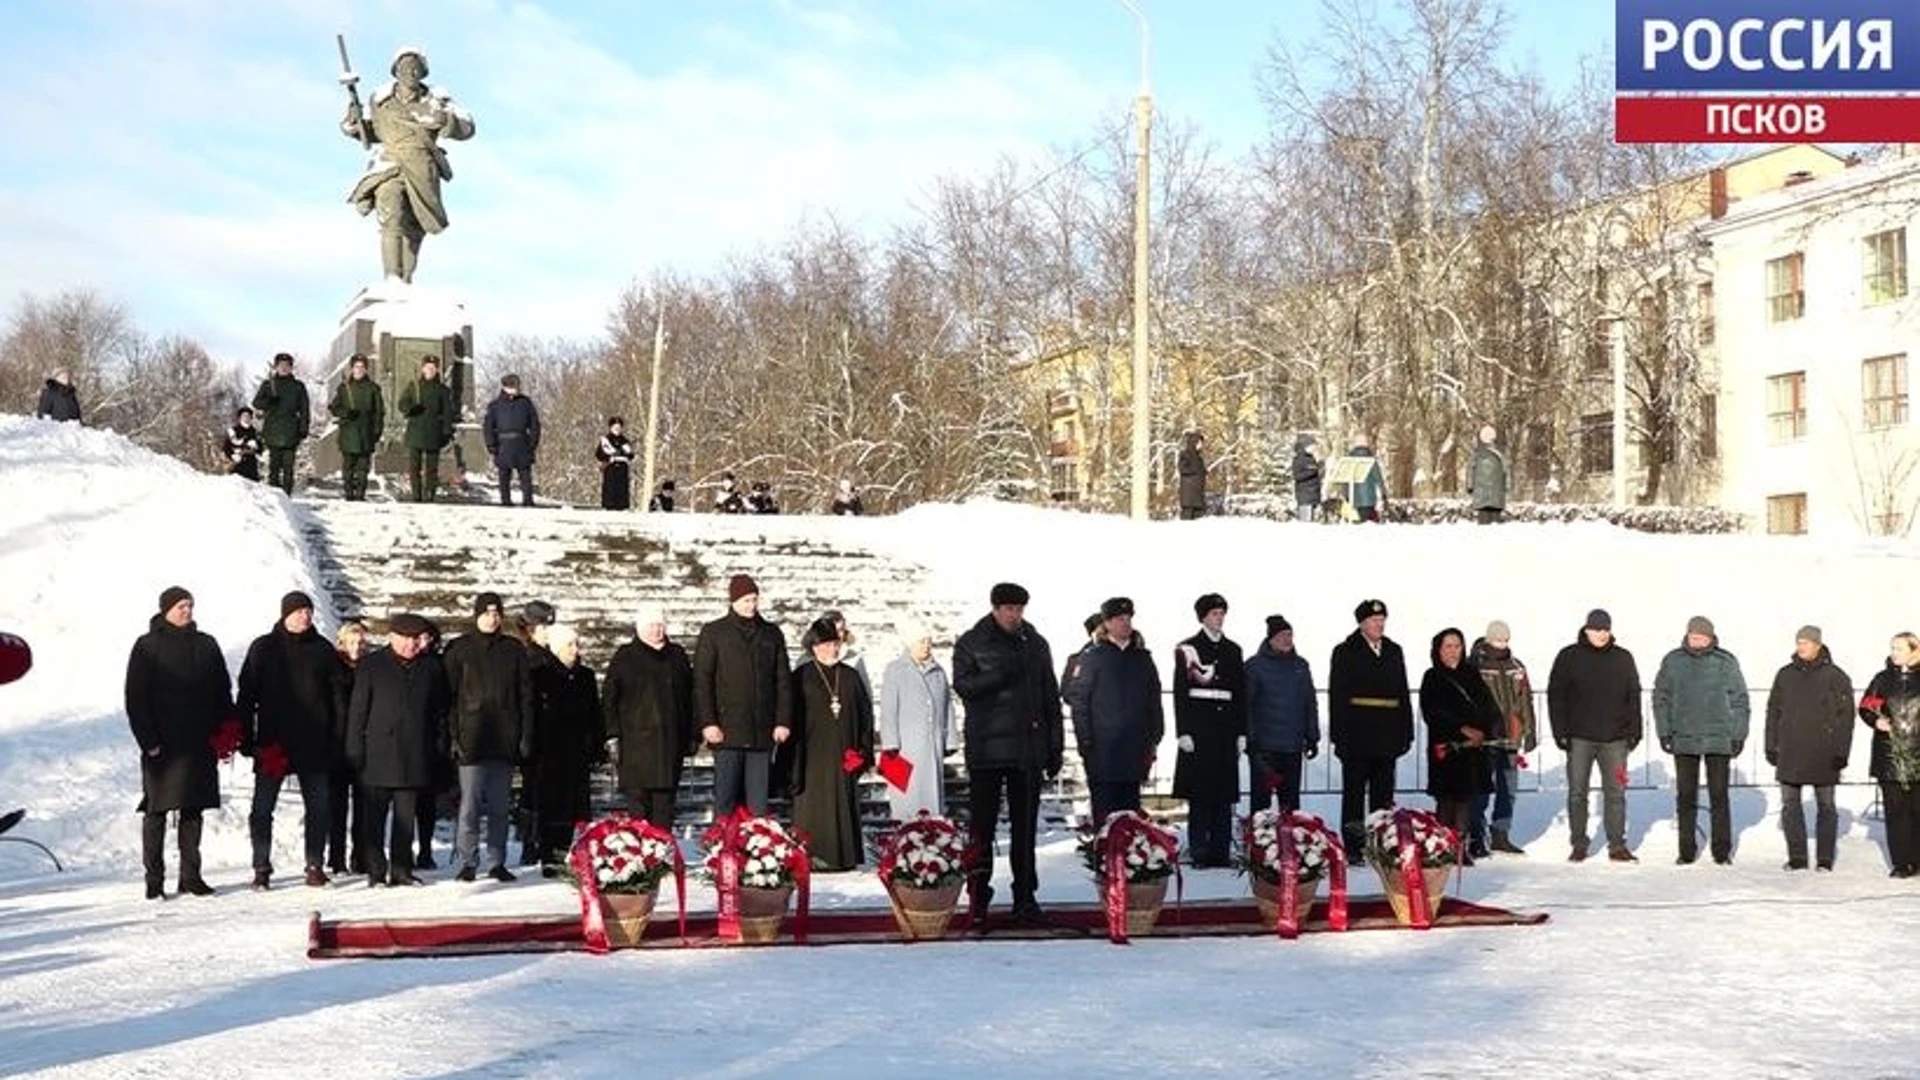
point(1288, 925)
point(593, 923)
point(1121, 831)
point(1412, 864)
point(724, 837)
point(895, 840)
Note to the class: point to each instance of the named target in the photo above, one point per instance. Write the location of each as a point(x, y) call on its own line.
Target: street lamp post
point(1142, 368)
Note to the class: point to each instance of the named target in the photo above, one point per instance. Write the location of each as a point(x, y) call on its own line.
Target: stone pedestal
point(395, 325)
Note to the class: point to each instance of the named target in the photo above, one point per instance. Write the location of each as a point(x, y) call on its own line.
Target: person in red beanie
point(742, 698)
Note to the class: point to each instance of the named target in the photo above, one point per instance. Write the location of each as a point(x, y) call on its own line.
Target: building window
point(1704, 315)
point(1786, 287)
point(1596, 443)
point(1883, 391)
point(1787, 514)
point(1884, 267)
point(1787, 406)
point(1709, 427)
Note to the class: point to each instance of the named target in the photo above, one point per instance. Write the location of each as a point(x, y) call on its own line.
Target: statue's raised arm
point(403, 124)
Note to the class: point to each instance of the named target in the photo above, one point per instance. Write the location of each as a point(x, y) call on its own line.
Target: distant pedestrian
point(615, 455)
point(285, 417)
point(1701, 715)
point(511, 431)
point(1193, 477)
point(241, 446)
point(360, 413)
point(1809, 736)
point(846, 503)
point(1487, 480)
point(662, 501)
point(59, 401)
point(730, 499)
point(178, 695)
point(1369, 493)
point(1593, 706)
point(429, 407)
point(760, 499)
point(1306, 473)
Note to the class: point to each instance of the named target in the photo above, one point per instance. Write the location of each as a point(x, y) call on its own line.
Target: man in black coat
point(1809, 738)
point(1118, 720)
point(396, 736)
point(648, 699)
point(1593, 708)
point(1003, 672)
point(293, 713)
point(59, 401)
point(178, 694)
point(1210, 722)
point(742, 698)
point(511, 430)
point(492, 718)
point(1370, 719)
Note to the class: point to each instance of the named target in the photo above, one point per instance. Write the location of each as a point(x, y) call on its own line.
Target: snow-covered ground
point(1653, 969)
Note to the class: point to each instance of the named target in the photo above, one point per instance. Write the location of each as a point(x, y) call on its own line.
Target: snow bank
point(94, 527)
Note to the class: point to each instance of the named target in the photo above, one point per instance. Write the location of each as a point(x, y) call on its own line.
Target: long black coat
point(294, 695)
point(615, 455)
point(397, 721)
point(1006, 681)
point(1210, 706)
point(491, 682)
point(566, 740)
point(741, 681)
point(1810, 721)
point(648, 699)
point(177, 694)
point(1306, 473)
point(58, 401)
point(826, 798)
point(1118, 720)
point(511, 430)
point(1594, 694)
point(1193, 479)
point(1369, 705)
point(1900, 687)
point(1451, 700)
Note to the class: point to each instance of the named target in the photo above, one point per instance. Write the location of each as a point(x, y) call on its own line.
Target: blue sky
point(183, 156)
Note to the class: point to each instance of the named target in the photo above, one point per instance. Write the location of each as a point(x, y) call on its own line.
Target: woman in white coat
point(916, 722)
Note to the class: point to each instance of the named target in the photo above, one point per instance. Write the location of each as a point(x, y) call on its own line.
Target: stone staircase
point(375, 560)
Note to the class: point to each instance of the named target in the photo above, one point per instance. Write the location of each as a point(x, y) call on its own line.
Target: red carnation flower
point(273, 761)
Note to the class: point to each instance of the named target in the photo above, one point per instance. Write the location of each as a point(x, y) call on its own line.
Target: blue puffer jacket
point(1283, 715)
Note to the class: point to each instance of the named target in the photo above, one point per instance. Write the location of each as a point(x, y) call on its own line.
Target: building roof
point(1800, 197)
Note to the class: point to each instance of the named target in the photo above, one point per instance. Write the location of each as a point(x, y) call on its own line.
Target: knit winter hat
point(1007, 593)
point(1209, 602)
point(1808, 632)
point(1700, 624)
point(1598, 619)
point(487, 600)
point(740, 585)
point(1368, 609)
point(173, 595)
point(1498, 633)
point(295, 601)
point(1277, 623)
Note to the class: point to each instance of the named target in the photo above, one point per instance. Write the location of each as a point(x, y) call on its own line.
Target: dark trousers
point(423, 472)
point(314, 817)
point(426, 821)
point(1686, 804)
point(344, 799)
point(654, 805)
point(1273, 777)
point(525, 473)
point(739, 779)
point(1489, 516)
point(280, 466)
point(1022, 791)
point(353, 474)
point(1110, 795)
point(1900, 806)
point(153, 839)
point(1210, 832)
point(1506, 782)
point(1366, 785)
point(1793, 822)
point(1192, 513)
point(389, 811)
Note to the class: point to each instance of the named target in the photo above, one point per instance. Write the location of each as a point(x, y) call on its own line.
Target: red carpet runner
point(328, 940)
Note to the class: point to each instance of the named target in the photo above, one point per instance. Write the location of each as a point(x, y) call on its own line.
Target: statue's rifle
point(352, 83)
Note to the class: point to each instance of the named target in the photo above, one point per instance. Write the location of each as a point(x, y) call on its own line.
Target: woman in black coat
point(567, 741)
point(615, 455)
point(1458, 709)
point(832, 715)
point(178, 693)
point(648, 701)
point(1891, 707)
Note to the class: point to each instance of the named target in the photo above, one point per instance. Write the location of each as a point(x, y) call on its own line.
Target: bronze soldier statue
point(402, 127)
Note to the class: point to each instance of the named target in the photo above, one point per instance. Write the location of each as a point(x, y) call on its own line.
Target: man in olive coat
point(178, 694)
point(1809, 738)
point(361, 413)
point(428, 405)
point(285, 415)
point(1701, 713)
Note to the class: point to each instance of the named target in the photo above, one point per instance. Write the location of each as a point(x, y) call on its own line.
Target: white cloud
point(205, 184)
